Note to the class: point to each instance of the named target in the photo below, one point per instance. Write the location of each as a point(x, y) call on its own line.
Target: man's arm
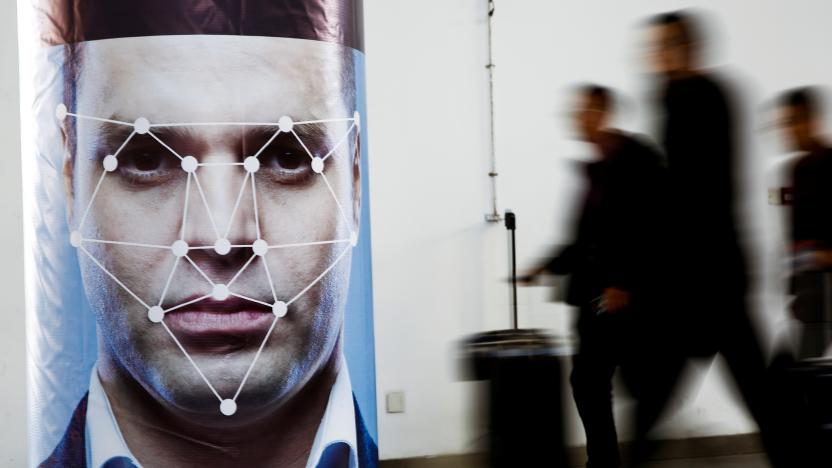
point(562, 263)
point(633, 236)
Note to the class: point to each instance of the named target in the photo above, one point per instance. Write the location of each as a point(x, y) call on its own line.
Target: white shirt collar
point(104, 439)
point(338, 422)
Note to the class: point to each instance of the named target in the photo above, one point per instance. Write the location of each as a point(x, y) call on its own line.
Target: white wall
point(438, 267)
point(427, 95)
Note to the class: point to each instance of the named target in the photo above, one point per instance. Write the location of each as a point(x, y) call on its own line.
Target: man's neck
point(817, 144)
point(606, 141)
point(160, 436)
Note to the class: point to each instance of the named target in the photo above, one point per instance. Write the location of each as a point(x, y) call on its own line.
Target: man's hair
point(602, 94)
point(684, 21)
point(805, 99)
point(71, 71)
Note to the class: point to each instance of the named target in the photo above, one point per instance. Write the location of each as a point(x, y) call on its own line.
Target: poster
point(198, 248)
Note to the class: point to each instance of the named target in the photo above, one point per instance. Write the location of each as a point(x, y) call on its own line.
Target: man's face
point(795, 126)
point(589, 116)
point(668, 50)
point(218, 79)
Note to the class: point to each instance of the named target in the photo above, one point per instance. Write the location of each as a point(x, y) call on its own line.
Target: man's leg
point(742, 351)
point(591, 379)
point(651, 372)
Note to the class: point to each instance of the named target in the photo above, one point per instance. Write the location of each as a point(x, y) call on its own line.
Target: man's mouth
point(211, 326)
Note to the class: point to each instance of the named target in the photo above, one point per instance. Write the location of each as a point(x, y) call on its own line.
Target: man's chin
point(184, 388)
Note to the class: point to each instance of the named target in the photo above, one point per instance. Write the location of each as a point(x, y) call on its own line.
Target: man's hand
point(529, 278)
point(614, 299)
point(825, 259)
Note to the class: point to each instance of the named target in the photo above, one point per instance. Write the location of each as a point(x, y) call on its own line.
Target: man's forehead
point(205, 75)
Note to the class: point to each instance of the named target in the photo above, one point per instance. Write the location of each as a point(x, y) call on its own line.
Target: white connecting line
point(180, 248)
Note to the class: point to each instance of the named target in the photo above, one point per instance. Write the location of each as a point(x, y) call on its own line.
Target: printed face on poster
point(213, 192)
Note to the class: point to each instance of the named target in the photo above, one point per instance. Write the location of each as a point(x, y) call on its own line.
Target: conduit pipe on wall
point(494, 215)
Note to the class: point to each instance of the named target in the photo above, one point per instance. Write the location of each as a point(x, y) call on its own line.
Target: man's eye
point(286, 160)
point(287, 165)
point(146, 168)
point(147, 162)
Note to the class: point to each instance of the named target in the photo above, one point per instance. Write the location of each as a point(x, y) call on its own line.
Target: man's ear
point(356, 182)
point(68, 168)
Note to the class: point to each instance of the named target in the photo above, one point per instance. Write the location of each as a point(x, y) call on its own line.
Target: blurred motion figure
point(799, 119)
point(609, 263)
point(707, 312)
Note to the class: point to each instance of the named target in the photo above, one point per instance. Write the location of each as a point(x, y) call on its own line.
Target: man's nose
point(221, 220)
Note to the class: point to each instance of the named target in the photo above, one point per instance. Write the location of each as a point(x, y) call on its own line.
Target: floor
point(734, 461)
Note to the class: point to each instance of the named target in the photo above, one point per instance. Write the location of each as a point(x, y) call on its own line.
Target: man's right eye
point(147, 167)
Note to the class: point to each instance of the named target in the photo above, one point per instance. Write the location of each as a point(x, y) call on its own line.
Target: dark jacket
point(812, 179)
point(71, 451)
point(618, 236)
point(702, 149)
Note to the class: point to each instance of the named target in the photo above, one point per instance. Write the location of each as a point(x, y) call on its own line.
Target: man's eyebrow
point(314, 133)
point(112, 136)
point(173, 133)
point(313, 136)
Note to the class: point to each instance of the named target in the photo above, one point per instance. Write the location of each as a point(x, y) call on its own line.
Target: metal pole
point(511, 226)
point(493, 216)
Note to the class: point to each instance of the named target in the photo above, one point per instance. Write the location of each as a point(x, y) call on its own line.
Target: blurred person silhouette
point(609, 263)
point(802, 385)
point(800, 121)
point(707, 312)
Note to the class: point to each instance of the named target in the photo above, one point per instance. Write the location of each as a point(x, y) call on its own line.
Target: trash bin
point(524, 371)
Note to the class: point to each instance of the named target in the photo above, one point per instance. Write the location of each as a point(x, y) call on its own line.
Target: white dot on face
point(317, 165)
point(260, 247)
point(279, 309)
point(141, 126)
point(179, 248)
point(110, 163)
point(189, 164)
point(285, 123)
point(155, 314)
point(222, 246)
point(251, 164)
point(357, 119)
point(60, 111)
point(220, 292)
point(228, 407)
point(353, 239)
point(75, 239)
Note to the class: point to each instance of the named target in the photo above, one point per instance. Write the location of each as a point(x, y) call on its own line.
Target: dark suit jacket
point(702, 148)
point(618, 237)
point(812, 179)
point(71, 451)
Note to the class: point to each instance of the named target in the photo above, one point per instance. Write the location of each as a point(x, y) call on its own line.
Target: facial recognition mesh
point(179, 248)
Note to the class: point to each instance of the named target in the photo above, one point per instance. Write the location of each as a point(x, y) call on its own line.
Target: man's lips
point(220, 326)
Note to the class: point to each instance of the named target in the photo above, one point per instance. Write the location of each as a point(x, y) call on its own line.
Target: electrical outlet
point(395, 402)
point(774, 196)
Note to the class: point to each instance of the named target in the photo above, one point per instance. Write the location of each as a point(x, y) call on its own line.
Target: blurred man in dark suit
point(707, 312)
point(799, 119)
point(610, 263)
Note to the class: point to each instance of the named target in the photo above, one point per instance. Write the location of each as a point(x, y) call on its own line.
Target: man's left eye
point(287, 164)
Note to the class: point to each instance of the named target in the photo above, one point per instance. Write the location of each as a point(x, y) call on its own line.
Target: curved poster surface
point(198, 281)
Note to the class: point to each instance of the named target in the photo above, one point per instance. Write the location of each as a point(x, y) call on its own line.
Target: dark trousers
point(603, 347)
point(720, 326)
